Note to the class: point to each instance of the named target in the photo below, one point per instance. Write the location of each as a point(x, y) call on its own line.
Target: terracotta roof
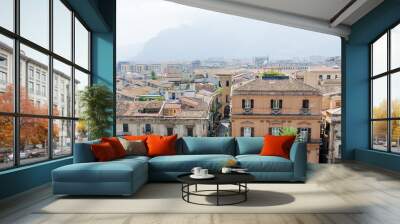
point(135, 91)
point(193, 103)
point(192, 114)
point(285, 86)
point(172, 106)
point(136, 108)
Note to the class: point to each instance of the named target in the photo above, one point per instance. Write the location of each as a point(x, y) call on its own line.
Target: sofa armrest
point(83, 152)
point(298, 155)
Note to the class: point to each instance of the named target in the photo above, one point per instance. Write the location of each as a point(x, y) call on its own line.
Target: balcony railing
point(276, 111)
point(305, 111)
point(248, 110)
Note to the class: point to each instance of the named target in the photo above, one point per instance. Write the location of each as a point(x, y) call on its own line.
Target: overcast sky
point(139, 21)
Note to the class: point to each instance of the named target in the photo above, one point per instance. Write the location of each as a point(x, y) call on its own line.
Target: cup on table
point(203, 172)
point(196, 171)
point(226, 170)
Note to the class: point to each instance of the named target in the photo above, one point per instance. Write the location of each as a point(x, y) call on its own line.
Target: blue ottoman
point(118, 177)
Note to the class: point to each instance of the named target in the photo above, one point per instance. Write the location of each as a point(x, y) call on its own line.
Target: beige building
point(331, 100)
point(261, 107)
point(225, 83)
point(331, 119)
point(326, 79)
point(189, 118)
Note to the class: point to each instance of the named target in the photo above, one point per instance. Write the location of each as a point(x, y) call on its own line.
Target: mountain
point(235, 37)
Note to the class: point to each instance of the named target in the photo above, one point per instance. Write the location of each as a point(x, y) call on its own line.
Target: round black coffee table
point(238, 179)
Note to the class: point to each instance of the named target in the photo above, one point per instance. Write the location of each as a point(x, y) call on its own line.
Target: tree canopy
point(33, 131)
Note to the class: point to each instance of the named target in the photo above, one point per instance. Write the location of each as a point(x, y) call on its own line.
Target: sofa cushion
point(277, 145)
point(185, 163)
point(116, 145)
point(134, 147)
point(133, 158)
point(257, 163)
point(207, 145)
point(112, 171)
point(161, 145)
point(249, 145)
point(103, 152)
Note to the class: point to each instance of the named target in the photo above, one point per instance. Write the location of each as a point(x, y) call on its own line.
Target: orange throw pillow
point(116, 145)
point(161, 145)
point(277, 146)
point(103, 152)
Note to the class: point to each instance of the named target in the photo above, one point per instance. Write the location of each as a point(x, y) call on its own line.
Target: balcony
point(247, 110)
point(305, 111)
point(276, 111)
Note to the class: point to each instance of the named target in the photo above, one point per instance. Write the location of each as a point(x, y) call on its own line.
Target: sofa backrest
point(249, 145)
point(206, 145)
point(190, 146)
point(83, 152)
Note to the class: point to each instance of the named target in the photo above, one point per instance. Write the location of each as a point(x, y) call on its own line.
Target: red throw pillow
point(277, 146)
point(116, 145)
point(161, 145)
point(103, 152)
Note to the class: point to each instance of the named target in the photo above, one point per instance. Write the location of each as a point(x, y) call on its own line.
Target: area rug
point(166, 198)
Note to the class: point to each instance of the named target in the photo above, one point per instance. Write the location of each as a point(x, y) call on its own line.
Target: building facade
point(225, 84)
point(261, 107)
point(163, 118)
point(327, 79)
point(34, 84)
point(332, 140)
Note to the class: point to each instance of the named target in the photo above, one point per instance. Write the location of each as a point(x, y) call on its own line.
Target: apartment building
point(261, 107)
point(188, 118)
point(34, 82)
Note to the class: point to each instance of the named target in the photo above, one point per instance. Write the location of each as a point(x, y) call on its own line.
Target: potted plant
point(291, 131)
point(97, 105)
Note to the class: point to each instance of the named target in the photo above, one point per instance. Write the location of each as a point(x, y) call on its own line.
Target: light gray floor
point(379, 189)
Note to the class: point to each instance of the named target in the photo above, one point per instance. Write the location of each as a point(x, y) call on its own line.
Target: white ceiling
point(315, 15)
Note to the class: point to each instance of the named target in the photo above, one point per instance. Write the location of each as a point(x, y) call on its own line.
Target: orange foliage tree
point(33, 131)
point(380, 128)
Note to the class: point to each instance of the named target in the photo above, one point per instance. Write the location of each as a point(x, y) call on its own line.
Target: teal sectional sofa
point(125, 176)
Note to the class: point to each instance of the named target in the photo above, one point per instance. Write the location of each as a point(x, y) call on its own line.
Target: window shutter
point(241, 131)
point(243, 103)
point(309, 135)
point(270, 131)
point(280, 104)
point(252, 103)
point(272, 104)
point(252, 132)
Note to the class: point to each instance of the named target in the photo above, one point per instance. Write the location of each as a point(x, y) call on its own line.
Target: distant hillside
point(235, 38)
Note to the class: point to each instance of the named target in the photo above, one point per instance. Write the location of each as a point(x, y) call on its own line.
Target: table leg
point(217, 194)
point(195, 188)
point(188, 190)
point(245, 193)
point(182, 190)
